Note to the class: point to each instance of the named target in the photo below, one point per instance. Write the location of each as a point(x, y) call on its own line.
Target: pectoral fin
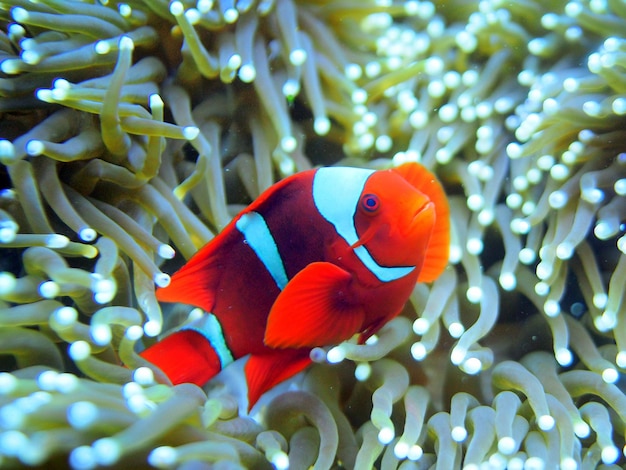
point(314, 309)
point(437, 254)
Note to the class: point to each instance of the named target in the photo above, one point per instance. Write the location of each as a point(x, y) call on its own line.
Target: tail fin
point(185, 356)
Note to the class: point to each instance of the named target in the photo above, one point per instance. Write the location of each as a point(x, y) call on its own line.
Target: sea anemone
point(131, 132)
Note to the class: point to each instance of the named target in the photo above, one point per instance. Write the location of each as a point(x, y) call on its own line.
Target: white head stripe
point(383, 273)
point(209, 326)
point(336, 194)
point(257, 235)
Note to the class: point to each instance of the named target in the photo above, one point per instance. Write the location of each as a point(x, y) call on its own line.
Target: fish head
point(390, 218)
point(394, 220)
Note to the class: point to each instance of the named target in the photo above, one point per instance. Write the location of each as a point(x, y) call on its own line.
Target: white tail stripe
point(209, 326)
point(257, 235)
point(336, 194)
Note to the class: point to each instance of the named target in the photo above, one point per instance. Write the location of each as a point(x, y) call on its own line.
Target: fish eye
point(370, 203)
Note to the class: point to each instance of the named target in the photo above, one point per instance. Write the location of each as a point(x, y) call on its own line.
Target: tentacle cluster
point(128, 128)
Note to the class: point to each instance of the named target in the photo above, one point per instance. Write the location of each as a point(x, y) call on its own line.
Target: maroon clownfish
point(318, 257)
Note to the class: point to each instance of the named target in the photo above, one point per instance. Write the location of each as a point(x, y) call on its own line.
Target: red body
point(332, 297)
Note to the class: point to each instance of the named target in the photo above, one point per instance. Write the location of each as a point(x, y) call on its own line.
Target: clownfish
point(319, 257)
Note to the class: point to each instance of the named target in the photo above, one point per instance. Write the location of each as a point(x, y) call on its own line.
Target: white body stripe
point(336, 194)
point(257, 235)
point(209, 327)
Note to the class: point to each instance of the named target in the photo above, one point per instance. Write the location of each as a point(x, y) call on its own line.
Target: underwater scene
point(133, 132)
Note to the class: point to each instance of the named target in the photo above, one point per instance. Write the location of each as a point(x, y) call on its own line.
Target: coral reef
point(131, 132)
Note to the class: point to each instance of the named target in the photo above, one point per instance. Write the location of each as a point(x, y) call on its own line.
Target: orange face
point(394, 220)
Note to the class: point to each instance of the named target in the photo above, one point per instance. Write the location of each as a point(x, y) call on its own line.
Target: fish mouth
point(423, 220)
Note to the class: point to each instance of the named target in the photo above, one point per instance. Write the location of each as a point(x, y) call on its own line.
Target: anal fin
point(263, 371)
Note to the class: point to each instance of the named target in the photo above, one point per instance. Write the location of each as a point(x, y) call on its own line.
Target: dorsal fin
point(194, 283)
point(257, 204)
point(437, 254)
